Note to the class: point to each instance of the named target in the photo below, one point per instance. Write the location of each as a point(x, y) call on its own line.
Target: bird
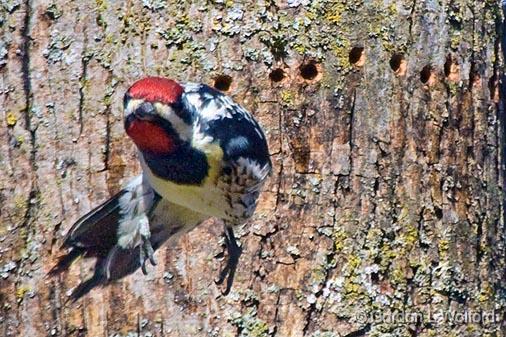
point(202, 156)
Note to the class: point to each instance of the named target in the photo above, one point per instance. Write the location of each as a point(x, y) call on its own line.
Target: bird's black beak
point(145, 111)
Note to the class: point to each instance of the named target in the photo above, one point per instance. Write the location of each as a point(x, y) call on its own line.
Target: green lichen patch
point(249, 325)
point(58, 44)
point(53, 12)
point(10, 5)
point(183, 31)
point(154, 5)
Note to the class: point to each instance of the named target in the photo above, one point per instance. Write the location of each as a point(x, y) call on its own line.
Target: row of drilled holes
point(309, 71)
point(398, 64)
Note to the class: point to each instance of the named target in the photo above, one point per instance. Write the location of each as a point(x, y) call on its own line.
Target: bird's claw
point(146, 253)
point(228, 272)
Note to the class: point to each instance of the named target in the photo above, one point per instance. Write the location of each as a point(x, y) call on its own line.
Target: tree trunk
point(386, 129)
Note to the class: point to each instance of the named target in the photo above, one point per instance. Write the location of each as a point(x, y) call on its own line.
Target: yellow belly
point(206, 199)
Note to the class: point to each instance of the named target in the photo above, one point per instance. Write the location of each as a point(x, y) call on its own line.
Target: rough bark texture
point(386, 132)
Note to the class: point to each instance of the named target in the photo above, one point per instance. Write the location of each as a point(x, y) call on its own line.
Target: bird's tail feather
point(96, 235)
point(118, 263)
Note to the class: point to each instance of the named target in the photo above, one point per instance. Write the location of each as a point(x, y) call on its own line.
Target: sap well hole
point(308, 71)
point(277, 75)
point(222, 82)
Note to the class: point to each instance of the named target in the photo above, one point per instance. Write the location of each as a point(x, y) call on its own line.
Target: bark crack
point(31, 201)
point(351, 134)
point(411, 20)
point(82, 84)
point(281, 163)
point(501, 116)
point(312, 308)
point(25, 73)
point(360, 332)
point(27, 89)
point(276, 314)
point(108, 111)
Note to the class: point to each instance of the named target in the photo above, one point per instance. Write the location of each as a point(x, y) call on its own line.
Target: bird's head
point(155, 117)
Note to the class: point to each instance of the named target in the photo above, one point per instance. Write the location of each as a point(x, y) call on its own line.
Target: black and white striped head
point(155, 117)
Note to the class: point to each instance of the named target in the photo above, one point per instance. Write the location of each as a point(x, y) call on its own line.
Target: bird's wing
point(224, 121)
point(97, 234)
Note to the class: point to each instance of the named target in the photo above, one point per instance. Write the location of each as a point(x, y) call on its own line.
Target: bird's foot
point(146, 251)
point(234, 252)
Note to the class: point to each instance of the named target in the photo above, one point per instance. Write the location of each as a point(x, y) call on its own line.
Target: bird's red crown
point(156, 89)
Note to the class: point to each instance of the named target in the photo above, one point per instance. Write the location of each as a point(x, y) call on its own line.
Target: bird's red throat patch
point(156, 89)
point(151, 137)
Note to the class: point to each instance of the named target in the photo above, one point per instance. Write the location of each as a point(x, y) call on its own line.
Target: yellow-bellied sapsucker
point(202, 156)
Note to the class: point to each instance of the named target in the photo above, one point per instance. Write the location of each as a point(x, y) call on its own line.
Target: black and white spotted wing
point(246, 161)
point(220, 118)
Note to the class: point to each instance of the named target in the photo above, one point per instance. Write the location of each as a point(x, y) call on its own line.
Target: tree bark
point(386, 128)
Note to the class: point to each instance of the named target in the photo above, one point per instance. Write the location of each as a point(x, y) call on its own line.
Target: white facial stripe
point(167, 113)
point(132, 105)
